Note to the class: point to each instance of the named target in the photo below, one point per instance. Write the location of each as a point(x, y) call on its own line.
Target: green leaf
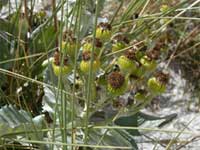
point(110, 138)
point(143, 119)
point(129, 138)
point(160, 120)
point(130, 121)
point(13, 121)
point(52, 102)
point(42, 39)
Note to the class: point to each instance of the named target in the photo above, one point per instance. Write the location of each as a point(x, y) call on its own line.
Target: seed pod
point(56, 65)
point(38, 18)
point(139, 53)
point(119, 42)
point(164, 8)
point(157, 84)
point(148, 63)
point(85, 63)
point(118, 46)
point(69, 44)
point(103, 31)
point(41, 14)
point(140, 95)
point(69, 48)
point(127, 62)
point(117, 83)
point(87, 46)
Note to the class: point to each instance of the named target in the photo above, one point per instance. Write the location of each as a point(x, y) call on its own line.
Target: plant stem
point(116, 12)
point(26, 52)
point(55, 22)
point(77, 31)
point(90, 77)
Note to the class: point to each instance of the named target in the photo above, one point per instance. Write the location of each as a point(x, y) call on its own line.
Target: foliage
point(79, 80)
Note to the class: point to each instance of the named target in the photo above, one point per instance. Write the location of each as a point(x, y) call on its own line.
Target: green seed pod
point(69, 48)
point(85, 66)
point(41, 14)
point(148, 64)
point(118, 46)
point(140, 95)
point(117, 83)
point(103, 31)
point(126, 65)
point(158, 83)
point(69, 44)
point(119, 41)
point(127, 62)
point(57, 68)
point(61, 69)
point(87, 46)
point(38, 18)
point(139, 72)
point(85, 63)
point(164, 8)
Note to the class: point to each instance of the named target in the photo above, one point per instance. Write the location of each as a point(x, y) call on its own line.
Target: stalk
point(77, 31)
point(55, 21)
point(90, 78)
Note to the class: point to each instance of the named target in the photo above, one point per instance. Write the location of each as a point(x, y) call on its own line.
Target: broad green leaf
point(144, 120)
point(109, 138)
point(13, 121)
point(155, 120)
point(131, 121)
point(52, 102)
